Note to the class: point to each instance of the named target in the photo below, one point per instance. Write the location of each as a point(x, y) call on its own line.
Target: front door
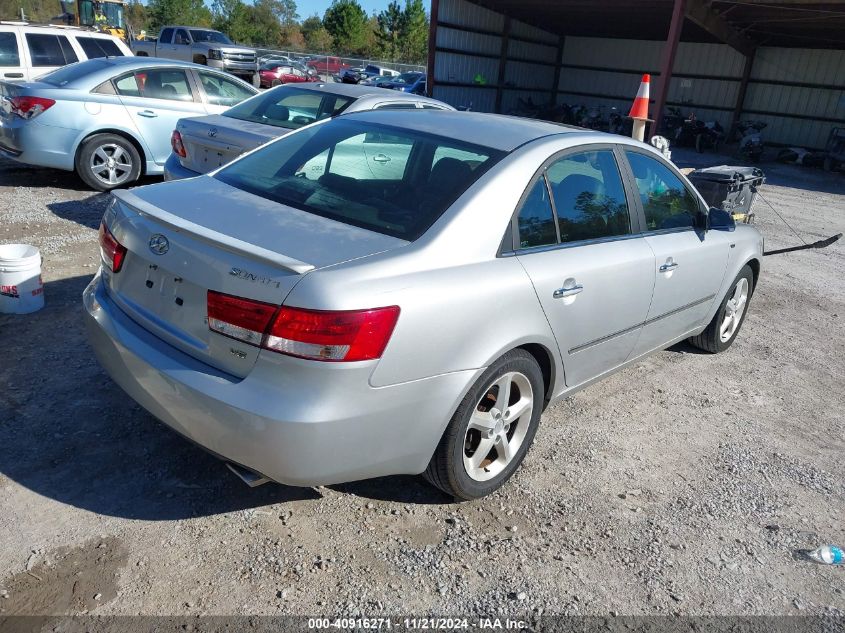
point(689, 264)
point(156, 98)
point(593, 275)
point(182, 48)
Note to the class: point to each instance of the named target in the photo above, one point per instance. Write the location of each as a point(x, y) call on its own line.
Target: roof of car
point(355, 90)
point(497, 131)
point(55, 29)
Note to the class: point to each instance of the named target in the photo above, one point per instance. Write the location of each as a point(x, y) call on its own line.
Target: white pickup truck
point(202, 46)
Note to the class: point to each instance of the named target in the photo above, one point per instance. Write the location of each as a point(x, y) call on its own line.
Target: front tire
point(492, 429)
point(722, 330)
point(108, 161)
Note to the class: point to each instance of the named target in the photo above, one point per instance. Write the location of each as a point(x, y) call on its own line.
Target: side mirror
point(721, 220)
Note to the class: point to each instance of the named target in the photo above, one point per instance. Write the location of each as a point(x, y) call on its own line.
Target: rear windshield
point(290, 108)
point(70, 73)
point(385, 179)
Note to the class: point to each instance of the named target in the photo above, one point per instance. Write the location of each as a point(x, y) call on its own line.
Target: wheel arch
point(754, 265)
point(118, 132)
point(545, 360)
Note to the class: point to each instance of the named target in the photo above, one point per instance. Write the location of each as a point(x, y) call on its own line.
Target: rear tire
point(722, 330)
point(108, 161)
point(492, 429)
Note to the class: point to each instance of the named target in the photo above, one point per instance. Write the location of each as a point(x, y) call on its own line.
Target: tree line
point(399, 33)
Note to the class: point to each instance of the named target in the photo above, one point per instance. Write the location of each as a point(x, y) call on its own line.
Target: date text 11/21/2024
point(418, 624)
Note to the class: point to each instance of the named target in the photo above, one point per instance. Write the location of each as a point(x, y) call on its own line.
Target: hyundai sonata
point(405, 292)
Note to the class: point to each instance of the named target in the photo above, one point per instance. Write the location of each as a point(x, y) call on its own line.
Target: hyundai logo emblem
point(212, 132)
point(159, 244)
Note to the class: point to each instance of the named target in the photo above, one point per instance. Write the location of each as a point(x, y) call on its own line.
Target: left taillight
point(112, 252)
point(177, 144)
point(30, 107)
point(325, 335)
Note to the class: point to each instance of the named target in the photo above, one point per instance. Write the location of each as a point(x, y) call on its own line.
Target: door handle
point(148, 113)
point(13, 75)
point(381, 158)
point(560, 293)
point(668, 266)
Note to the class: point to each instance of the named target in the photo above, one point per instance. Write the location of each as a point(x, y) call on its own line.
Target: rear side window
point(588, 196)
point(221, 90)
point(667, 203)
point(166, 36)
point(536, 221)
point(9, 54)
point(289, 108)
point(99, 47)
point(50, 50)
point(373, 176)
point(168, 84)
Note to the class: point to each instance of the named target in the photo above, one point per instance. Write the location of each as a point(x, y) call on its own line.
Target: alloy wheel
point(734, 309)
point(111, 164)
point(498, 426)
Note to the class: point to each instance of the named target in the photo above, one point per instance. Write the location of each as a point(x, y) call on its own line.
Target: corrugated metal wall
point(807, 84)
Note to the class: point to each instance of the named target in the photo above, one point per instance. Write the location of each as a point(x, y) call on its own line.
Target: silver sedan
point(109, 119)
point(201, 144)
point(395, 292)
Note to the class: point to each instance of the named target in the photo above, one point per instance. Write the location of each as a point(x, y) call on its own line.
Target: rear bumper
point(297, 422)
point(174, 170)
point(33, 143)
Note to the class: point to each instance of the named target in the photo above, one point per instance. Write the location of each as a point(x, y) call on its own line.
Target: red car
point(327, 65)
point(275, 74)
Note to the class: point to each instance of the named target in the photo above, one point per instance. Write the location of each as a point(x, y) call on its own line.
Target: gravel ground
point(687, 484)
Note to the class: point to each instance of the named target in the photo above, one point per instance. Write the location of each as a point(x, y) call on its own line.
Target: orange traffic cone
point(639, 111)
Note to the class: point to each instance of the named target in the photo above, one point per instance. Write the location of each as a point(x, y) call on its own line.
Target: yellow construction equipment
point(106, 16)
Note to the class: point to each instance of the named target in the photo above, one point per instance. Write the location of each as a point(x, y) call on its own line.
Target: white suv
point(30, 50)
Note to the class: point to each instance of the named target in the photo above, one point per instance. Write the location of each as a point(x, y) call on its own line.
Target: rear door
point(12, 63)
point(47, 52)
point(182, 48)
point(689, 264)
point(578, 239)
point(156, 98)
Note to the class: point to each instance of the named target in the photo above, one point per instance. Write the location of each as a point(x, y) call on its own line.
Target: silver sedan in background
point(314, 317)
point(201, 144)
point(109, 119)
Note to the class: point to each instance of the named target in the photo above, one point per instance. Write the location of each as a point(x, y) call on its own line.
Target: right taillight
point(30, 107)
point(336, 335)
point(112, 252)
point(177, 144)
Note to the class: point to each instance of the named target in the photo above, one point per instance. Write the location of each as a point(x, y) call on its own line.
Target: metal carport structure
point(780, 61)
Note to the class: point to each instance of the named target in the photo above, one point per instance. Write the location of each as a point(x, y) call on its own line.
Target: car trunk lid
point(213, 141)
point(222, 239)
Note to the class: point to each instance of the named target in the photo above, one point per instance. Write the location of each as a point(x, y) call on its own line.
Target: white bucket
point(21, 290)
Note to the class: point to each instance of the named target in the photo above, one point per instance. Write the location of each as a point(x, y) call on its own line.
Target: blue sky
point(310, 7)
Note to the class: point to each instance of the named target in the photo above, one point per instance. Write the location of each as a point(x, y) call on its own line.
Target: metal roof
point(789, 23)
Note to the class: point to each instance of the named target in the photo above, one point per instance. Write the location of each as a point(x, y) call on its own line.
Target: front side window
point(50, 50)
point(289, 108)
point(536, 221)
point(9, 54)
point(99, 47)
point(667, 203)
point(223, 91)
point(589, 197)
point(373, 176)
point(168, 84)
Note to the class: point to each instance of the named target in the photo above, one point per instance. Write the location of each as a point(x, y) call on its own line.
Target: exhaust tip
point(249, 477)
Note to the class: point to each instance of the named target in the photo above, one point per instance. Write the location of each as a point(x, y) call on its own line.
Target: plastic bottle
point(828, 554)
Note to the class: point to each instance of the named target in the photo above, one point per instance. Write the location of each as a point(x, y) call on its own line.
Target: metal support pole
point(503, 62)
point(740, 97)
point(432, 47)
point(561, 42)
point(667, 63)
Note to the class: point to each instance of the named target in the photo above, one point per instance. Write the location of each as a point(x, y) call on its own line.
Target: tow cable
point(819, 244)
